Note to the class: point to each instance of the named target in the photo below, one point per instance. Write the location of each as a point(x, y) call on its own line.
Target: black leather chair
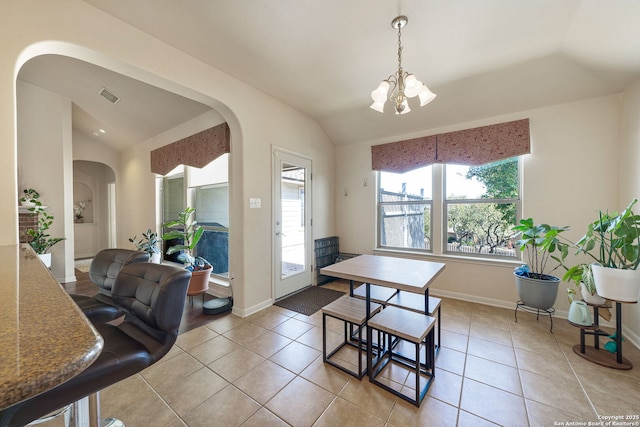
point(153, 298)
point(104, 268)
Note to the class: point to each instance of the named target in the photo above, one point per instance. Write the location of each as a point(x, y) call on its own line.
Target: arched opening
point(76, 146)
point(92, 183)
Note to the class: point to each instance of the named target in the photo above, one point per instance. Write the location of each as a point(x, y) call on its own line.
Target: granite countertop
point(45, 339)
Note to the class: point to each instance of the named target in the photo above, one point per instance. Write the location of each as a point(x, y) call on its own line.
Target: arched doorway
point(93, 205)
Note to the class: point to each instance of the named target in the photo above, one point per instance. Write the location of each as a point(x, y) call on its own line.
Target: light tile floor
point(267, 370)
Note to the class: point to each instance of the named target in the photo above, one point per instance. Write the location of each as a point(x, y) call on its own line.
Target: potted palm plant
point(148, 243)
point(536, 287)
point(187, 230)
point(615, 239)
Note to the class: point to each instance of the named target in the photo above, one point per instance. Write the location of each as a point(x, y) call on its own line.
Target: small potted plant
point(148, 243)
point(187, 230)
point(536, 287)
point(582, 277)
point(615, 240)
point(41, 241)
point(30, 199)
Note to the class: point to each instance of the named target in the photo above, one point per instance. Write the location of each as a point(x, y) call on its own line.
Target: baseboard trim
point(629, 335)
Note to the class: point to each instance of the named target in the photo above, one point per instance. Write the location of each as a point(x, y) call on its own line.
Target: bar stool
point(353, 312)
point(103, 271)
point(398, 324)
point(415, 302)
point(153, 298)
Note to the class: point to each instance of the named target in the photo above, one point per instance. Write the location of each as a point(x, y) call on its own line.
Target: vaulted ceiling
point(482, 58)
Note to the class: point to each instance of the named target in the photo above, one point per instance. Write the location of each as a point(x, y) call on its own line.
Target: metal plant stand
point(546, 311)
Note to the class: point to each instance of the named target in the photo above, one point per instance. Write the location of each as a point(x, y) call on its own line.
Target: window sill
point(500, 262)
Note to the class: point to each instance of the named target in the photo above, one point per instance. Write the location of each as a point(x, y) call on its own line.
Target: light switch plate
point(254, 203)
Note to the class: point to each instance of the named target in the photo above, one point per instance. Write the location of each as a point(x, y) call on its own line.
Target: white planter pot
point(46, 259)
point(616, 284)
point(594, 299)
point(155, 258)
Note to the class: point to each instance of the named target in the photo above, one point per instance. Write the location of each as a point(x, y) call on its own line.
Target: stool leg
point(94, 410)
point(417, 344)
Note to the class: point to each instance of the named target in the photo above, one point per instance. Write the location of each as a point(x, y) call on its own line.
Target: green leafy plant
point(147, 243)
point(580, 273)
point(539, 242)
point(31, 197)
point(186, 228)
point(41, 240)
point(615, 238)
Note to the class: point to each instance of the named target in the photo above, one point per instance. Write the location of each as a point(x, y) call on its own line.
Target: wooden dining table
point(45, 339)
point(402, 274)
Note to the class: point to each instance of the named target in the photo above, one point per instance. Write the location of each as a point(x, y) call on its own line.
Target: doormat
point(309, 300)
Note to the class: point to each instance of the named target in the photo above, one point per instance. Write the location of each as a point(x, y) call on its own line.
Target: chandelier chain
point(400, 49)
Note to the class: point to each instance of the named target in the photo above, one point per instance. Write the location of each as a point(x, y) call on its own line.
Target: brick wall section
point(26, 221)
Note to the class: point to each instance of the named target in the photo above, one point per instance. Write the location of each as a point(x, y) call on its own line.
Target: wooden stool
point(352, 312)
point(415, 302)
point(398, 324)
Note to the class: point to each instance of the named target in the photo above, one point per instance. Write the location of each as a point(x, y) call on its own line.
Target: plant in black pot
point(537, 288)
point(186, 230)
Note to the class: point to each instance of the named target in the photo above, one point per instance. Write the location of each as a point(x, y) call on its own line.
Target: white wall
point(44, 130)
point(567, 177)
point(629, 177)
point(256, 122)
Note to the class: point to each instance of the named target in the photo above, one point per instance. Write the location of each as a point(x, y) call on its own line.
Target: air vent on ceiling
point(104, 92)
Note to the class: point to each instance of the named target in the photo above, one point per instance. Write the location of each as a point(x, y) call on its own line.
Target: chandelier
point(405, 85)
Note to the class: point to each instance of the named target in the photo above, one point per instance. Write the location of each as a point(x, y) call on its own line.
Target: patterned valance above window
point(475, 146)
point(196, 150)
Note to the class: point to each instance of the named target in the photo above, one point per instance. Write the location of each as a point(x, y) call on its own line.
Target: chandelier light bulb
point(411, 86)
point(425, 95)
point(380, 93)
point(405, 85)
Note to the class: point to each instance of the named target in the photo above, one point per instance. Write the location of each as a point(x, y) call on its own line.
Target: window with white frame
point(478, 207)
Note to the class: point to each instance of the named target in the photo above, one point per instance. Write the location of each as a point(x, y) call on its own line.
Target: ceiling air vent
point(104, 92)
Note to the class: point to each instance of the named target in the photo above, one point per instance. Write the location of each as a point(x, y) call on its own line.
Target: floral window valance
point(196, 150)
point(475, 146)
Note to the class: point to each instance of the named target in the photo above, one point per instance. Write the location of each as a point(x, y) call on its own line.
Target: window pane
point(415, 184)
point(212, 213)
point(405, 225)
point(481, 228)
point(498, 180)
point(172, 203)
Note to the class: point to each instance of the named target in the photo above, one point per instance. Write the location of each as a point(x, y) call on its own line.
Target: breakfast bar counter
point(44, 337)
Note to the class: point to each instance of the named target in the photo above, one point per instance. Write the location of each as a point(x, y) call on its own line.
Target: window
point(479, 206)
point(207, 190)
point(404, 209)
point(212, 214)
point(172, 191)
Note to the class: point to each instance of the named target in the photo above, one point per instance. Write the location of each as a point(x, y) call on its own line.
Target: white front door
point(292, 222)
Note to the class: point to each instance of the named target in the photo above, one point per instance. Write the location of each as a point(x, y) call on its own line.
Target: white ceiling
point(482, 58)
